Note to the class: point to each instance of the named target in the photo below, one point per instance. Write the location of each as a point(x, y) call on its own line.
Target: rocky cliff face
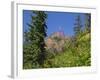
point(56, 42)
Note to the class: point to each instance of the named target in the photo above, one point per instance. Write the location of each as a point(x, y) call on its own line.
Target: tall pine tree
point(88, 22)
point(78, 25)
point(34, 51)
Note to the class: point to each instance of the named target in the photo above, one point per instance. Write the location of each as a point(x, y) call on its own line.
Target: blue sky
point(56, 21)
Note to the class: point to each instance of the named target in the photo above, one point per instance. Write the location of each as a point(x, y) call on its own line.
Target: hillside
point(73, 55)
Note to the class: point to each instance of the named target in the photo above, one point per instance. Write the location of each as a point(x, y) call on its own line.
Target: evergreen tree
point(87, 22)
point(78, 25)
point(34, 51)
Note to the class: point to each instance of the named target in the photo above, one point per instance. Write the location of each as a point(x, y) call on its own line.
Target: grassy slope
point(73, 56)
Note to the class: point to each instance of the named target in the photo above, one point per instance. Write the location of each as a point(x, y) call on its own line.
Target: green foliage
point(73, 56)
point(34, 45)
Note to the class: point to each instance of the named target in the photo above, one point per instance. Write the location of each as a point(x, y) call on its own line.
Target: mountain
point(55, 43)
